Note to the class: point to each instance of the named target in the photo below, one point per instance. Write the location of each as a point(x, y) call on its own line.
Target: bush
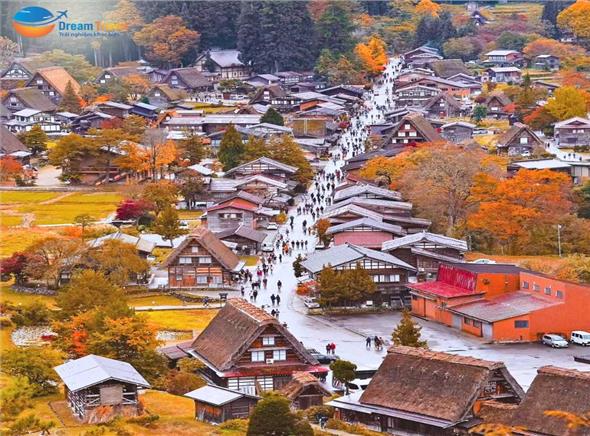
point(180, 382)
point(281, 218)
point(5, 322)
point(144, 421)
point(35, 313)
point(313, 413)
point(336, 424)
point(238, 425)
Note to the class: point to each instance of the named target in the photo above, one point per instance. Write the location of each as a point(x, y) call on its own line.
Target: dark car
point(322, 358)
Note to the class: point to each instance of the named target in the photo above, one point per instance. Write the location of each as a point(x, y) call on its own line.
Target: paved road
point(349, 332)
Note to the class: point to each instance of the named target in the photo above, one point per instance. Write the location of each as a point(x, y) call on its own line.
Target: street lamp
point(559, 226)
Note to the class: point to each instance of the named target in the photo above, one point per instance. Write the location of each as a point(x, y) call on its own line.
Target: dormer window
point(268, 341)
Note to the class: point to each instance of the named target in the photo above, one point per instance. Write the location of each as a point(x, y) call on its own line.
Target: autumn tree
point(118, 261)
point(271, 116)
point(328, 285)
point(10, 169)
point(192, 187)
point(373, 55)
point(166, 40)
point(134, 126)
point(160, 195)
point(8, 51)
point(428, 7)
point(284, 149)
point(36, 364)
point(14, 266)
point(70, 101)
point(68, 154)
point(576, 18)
point(254, 148)
point(48, 257)
point(130, 209)
point(568, 102)
point(108, 140)
point(167, 225)
point(407, 332)
point(83, 220)
point(15, 397)
point(466, 48)
point(231, 148)
point(36, 139)
point(193, 148)
point(297, 267)
point(321, 228)
point(75, 64)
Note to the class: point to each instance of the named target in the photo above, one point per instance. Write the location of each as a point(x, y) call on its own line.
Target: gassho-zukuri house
point(421, 392)
point(246, 349)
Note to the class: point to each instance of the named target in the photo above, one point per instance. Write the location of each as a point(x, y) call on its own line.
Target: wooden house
point(571, 133)
point(426, 251)
point(147, 111)
point(409, 56)
point(18, 99)
point(442, 399)
point(496, 103)
point(305, 391)
point(390, 274)
point(546, 62)
point(230, 214)
point(503, 58)
point(413, 129)
point(90, 120)
point(365, 190)
point(202, 261)
point(518, 140)
point(225, 63)
point(275, 96)
point(216, 404)
point(99, 389)
point(52, 82)
point(115, 109)
point(443, 105)
point(457, 132)
point(366, 232)
point(447, 68)
point(24, 120)
point(263, 166)
point(455, 88)
point(20, 71)
point(10, 145)
point(413, 95)
point(502, 75)
point(189, 79)
point(550, 87)
point(247, 240)
point(246, 349)
point(162, 95)
point(120, 72)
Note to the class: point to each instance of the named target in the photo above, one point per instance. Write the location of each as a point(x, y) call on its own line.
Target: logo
point(34, 21)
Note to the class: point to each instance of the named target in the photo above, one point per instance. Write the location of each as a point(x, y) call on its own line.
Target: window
point(524, 140)
point(195, 249)
point(407, 127)
point(466, 321)
point(413, 134)
point(279, 354)
point(521, 324)
point(525, 285)
point(477, 324)
point(202, 280)
point(39, 81)
point(51, 93)
point(548, 291)
point(107, 76)
point(559, 294)
point(394, 277)
point(205, 259)
point(536, 287)
point(401, 134)
point(257, 356)
point(184, 260)
point(268, 340)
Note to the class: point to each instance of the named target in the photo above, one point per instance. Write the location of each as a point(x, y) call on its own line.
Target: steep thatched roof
point(9, 143)
point(514, 131)
point(301, 380)
point(58, 77)
point(32, 98)
point(566, 390)
point(234, 329)
point(448, 67)
point(439, 385)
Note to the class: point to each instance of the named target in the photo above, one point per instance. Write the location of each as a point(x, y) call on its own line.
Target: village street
point(349, 332)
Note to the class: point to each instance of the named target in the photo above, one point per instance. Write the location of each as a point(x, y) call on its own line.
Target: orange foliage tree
point(519, 214)
point(576, 18)
point(373, 55)
point(428, 7)
point(569, 54)
point(10, 168)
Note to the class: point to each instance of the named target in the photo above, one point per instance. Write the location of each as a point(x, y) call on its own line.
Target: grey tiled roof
point(425, 237)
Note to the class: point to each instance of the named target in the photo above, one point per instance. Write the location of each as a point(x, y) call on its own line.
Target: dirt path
point(28, 219)
point(56, 199)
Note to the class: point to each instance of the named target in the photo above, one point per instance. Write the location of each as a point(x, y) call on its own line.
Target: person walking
point(255, 294)
point(273, 298)
point(279, 285)
point(368, 342)
point(278, 298)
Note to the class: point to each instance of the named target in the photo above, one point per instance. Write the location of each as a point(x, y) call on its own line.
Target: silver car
point(554, 341)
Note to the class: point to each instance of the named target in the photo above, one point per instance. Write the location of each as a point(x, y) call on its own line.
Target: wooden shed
point(304, 390)
point(99, 389)
point(216, 404)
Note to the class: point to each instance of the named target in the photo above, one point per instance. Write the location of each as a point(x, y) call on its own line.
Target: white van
point(269, 242)
point(580, 337)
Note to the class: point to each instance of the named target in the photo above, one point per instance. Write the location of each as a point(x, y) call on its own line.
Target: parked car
point(580, 337)
point(554, 341)
point(358, 384)
point(311, 303)
point(272, 226)
point(322, 358)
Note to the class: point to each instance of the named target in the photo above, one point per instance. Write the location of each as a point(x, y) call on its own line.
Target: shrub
point(180, 382)
point(238, 425)
point(144, 421)
point(5, 322)
point(281, 218)
point(35, 313)
point(313, 413)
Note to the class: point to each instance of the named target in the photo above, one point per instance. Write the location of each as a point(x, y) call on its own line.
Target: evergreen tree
point(231, 149)
point(193, 148)
point(272, 117)
point(435, 31)
point(297, 267)
point(70, 101)
point(551, 10)
point(343, 371)
point(335, 27)
point(249, 35)
point(480, 112)
point(35, 139)
point(407, 332)
point(167, 225)
point(272, 416)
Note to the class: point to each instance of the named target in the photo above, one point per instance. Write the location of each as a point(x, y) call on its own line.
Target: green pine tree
point(297, 267)
point(35, 139)
point(167, 225)
point(407, 332)
point(272, 416)
point(231, 149)
point(272, 117)
point(335, 27)
point(343, 371)
point(70, 101)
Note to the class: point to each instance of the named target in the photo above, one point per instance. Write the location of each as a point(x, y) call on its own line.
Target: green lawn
point(156, 300)
point(15, 197)
point(181, 319)
point(18, 298)
point(98, 205)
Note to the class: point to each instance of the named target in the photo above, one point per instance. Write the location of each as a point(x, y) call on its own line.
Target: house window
point(202, 280)
point(521, 324)
point(525, 285)
point(559, 294)
point(407, 127)
point(466, 321)
point(184, 260)
point(536, 287)
point(547, 291)
point(394, 277)
point(156, 94)
point(279, 354)
point(39, 81)
point(413, 134)
point(107, 76)
point(257, 356)
point(268, 340)
point(477, 324)
point(13, 99)
point(205, 259)
point(401, 134)
point(195, 249)
point(524, 140)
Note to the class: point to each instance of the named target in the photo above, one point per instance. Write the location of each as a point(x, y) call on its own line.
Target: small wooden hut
point(216, 404)
point(304, 390)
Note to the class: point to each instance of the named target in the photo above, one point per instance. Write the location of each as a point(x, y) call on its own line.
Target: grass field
point(20, 298)
point(181, 319)
point(16, 197)
point(156, 300)
point(11, 220)
point(17, 239)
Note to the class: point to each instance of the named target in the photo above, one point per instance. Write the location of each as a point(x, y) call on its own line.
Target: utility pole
point(559, 239)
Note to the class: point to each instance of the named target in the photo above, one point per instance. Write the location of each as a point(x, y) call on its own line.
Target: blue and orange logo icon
point(34, 21)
